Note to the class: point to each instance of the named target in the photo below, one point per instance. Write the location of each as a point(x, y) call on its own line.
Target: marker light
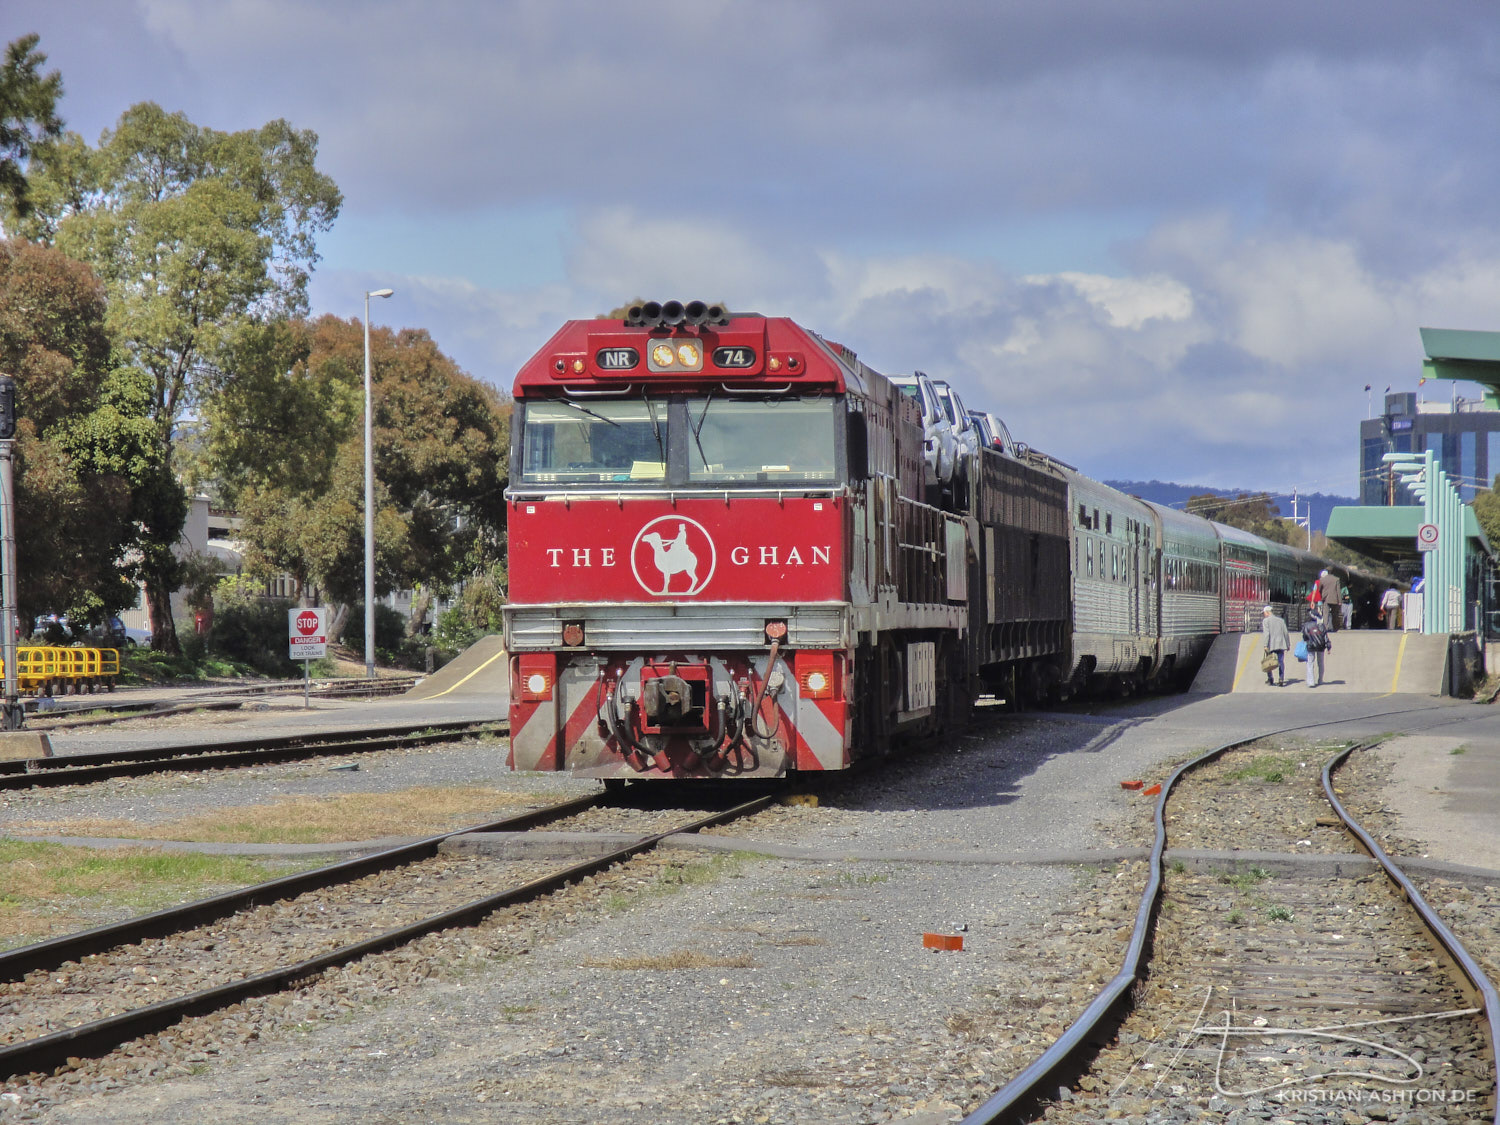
point(535, 675)
point(815, 674)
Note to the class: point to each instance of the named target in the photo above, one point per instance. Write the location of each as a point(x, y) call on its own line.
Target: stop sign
point(307, 623)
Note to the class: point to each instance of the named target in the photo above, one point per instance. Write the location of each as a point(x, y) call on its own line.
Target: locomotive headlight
point(816, 683)
point(689, 356)
point(662, 355)
point(536, 684)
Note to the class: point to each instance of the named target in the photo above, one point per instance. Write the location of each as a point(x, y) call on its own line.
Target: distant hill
point(1171, 495)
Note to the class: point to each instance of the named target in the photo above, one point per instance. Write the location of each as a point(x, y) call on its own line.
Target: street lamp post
point(370, 496)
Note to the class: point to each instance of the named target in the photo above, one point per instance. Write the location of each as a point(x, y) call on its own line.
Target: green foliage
point(28, 115)
point(195, 234)
point(453, 631)
point(85, 443)
point(253, 633)
point(1487, 512)
point(441, 443)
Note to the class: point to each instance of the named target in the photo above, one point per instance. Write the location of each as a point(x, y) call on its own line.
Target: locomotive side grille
point(650, 627)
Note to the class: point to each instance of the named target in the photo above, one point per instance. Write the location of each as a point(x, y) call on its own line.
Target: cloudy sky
point(1161, 238)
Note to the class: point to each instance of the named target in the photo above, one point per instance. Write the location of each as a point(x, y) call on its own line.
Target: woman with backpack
point(1315, 637)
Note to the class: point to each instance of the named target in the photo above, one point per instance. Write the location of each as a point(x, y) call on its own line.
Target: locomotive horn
point(650, 314)
point(635, 316)
point(717, 314)
point(672, 314)
point(696, 313)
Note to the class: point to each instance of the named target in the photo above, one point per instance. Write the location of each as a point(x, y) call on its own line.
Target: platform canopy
point(1464, 354)
point(1390, 533)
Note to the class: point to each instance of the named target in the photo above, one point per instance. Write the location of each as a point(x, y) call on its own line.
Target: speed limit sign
point(1427, 537)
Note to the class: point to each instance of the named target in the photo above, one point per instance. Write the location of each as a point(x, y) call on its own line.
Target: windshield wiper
point(655, 429)
point(698, 429)
point(586, 410)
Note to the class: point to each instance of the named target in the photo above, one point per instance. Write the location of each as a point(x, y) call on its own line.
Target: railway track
point(83, 769)
point(217, 698)
point(83, 995)
point(1318, 981)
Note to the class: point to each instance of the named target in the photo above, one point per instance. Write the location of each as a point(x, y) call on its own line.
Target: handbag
point(1301, 651)
point(1268, 661)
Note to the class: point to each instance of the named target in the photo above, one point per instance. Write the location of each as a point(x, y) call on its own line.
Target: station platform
point(481, 669)
point(1366, 661)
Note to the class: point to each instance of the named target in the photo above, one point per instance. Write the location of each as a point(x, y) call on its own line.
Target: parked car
point(993, 432)
point(965, 434)
point(938, 444)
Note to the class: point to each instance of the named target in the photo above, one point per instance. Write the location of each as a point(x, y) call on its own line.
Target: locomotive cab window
point(760, 440)
point(598, 441)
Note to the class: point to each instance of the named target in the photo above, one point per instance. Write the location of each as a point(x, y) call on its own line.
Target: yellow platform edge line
point(1244, 663)
point(1400, 655)
point(469, 677)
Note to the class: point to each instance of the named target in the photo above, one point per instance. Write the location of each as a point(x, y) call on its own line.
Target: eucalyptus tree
point(195, 233)
point(86, 454)
point(28, 115)
point(293, 463)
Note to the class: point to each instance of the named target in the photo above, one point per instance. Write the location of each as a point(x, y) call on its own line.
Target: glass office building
point(1463, 433)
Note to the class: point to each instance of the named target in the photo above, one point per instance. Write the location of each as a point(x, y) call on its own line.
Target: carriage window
point(1109, 523)
point(610, 440)
point(1089, 547)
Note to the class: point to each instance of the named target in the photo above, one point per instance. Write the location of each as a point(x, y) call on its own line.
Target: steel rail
point(77, 769)
point(1069, 1057)
point(102, 1036)
point(53, 952)
point(1478, 981)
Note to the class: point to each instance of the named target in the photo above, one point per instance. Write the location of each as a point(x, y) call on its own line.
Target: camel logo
point(669, 546)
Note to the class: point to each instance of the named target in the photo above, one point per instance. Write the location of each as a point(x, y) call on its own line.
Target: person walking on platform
point(1390, 606)
point(1315, 636)
point(1332, 600)
point(1277, 642)
point(1347, 604)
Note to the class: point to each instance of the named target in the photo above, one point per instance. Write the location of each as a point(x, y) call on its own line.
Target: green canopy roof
point(1390, 534)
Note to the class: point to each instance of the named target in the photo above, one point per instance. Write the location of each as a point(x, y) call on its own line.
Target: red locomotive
point(722, 560)
point(736, 550)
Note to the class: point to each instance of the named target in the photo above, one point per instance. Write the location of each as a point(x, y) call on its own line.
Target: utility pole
point(12, 716)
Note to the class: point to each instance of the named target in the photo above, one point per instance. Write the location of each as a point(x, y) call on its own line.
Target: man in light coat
point(1333, 600)
point(1277, 641)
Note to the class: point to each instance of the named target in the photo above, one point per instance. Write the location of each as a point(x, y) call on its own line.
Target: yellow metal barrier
point(49, 669)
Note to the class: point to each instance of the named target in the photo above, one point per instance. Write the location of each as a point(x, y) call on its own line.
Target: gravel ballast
point(698, 988)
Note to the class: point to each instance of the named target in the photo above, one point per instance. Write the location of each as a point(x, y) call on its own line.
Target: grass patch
point(862, 879)
point(1457, 750)
point(1270, 768)
point(671, 962)
point(52, 889)
point(1280, 914)
point(419, 811)
point(1245, 880)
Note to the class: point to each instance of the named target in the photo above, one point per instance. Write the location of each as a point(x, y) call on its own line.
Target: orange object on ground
point(942, 941)
point(1153, 791)
point(1131, 784)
